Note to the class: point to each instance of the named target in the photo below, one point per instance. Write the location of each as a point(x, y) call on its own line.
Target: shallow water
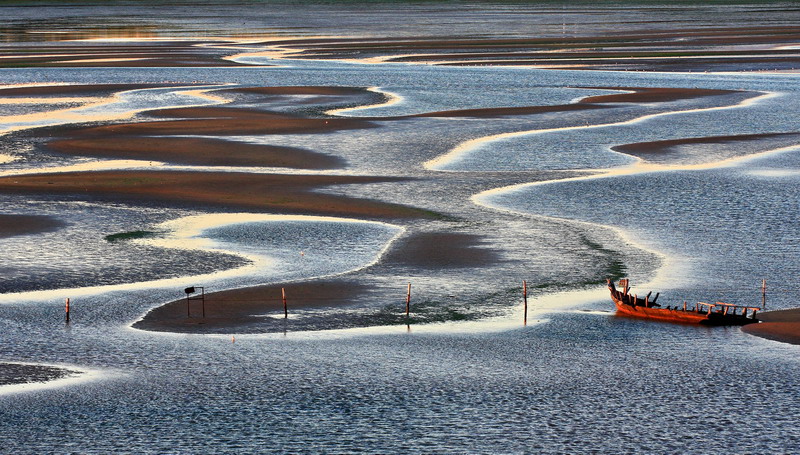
point(576, 380)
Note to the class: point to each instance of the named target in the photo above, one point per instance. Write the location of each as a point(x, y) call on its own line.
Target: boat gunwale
point(643, 308)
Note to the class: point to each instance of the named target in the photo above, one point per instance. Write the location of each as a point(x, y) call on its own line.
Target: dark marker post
point(408, 300)
point(67, 311)
point(202, 297)
point(188, 291)
point(285, 309)
point(525, 302)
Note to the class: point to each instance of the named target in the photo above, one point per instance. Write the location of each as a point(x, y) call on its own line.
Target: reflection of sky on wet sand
point(122, 105)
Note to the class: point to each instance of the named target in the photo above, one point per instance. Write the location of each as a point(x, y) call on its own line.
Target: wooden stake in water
point(285, 309)
point(763, 294)
point(408, 300)
point(67, 311)
point(525, 301)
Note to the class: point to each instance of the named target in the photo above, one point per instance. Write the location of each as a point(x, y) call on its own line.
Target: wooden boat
point(718, 313)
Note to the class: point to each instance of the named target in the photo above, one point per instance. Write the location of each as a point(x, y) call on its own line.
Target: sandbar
point(636, 95)
point(196, 151)
point(75, 89)
point(441, 250)
point(11, 225)
point(274, 193)
point(643, 149)
point(301, 90)
point(24, 373)
point(243, 310)
point(128, 54)
point(247, 309)
point(221, 121)
point(653, 95)
point(779, 325)
point(737, 48)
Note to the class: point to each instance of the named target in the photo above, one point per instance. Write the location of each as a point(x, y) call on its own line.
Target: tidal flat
point(304, 227)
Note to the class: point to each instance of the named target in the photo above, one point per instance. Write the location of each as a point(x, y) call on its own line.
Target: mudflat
point(779, 325)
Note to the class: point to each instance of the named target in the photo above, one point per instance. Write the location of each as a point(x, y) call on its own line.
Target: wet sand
point(11, 225)
point(196, 151)
point(214, 121)
point(636, 95)
point(75, 89)
point(127, 54)
point(687, 49)
point(301, 90)
point(780, 325)
point(243, 310)
point(134, 140)
point(440, 251)
point(652, 95)
point(273, 193)
point(644, 149)
point(18, 373)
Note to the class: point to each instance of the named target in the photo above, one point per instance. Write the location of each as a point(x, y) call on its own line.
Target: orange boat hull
point(628, 305)
point(661, 314)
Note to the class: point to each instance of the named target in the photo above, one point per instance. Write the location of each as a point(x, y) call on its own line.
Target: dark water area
point(12, 374)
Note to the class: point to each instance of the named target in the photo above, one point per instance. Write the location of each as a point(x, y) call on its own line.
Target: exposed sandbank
point(134, 140)
point(24, 373)
point(75, 89)
point(653, 95)
point(274, 193)
point(196, 151)
point(11, 225)
point(128, 54)
point(688, 49)
point(245, 309)
point(222, 121)
point(301, 90)
point(779, 325)
point(636, 95)
point(441, 250)
point(643, 149)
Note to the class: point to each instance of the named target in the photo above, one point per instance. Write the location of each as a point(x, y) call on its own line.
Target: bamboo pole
point(408, 300)
point(525, 301)
point(763, 294)
point(285, 308)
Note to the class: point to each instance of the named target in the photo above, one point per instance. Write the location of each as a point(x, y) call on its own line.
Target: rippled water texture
point(701, 221)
